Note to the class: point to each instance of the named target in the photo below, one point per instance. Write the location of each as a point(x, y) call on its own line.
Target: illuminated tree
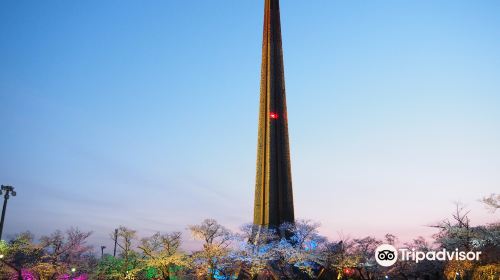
point(46, 271)
point(130, 264)
point(26, 274)
point(487, 272)
point(457, 233)
point(290, 251)
point(64, 251)
point(109, 268)
point(255, 255)
point(458, 269)
point(162, 253)
point(298, 250)
point(336, 258)
point(214, 258)
point(19, 254)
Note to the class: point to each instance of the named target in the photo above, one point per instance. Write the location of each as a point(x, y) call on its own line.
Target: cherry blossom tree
point(63, 251)
point(161, 252)
point(214, 258)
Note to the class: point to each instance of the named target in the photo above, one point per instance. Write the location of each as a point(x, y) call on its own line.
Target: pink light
point(273, 115)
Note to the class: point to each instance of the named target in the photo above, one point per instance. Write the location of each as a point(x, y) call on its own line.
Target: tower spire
point(273, 203)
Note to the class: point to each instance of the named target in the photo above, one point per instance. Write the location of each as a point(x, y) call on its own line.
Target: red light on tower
point(273, 115)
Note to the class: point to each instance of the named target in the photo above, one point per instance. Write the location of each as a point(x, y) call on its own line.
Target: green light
point(151, 273)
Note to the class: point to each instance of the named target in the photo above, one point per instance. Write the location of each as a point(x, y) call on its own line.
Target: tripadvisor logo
point(387, 255)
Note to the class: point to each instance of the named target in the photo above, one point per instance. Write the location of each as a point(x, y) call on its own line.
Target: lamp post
point(102, 251)
point(8, 191)
point(116, 241)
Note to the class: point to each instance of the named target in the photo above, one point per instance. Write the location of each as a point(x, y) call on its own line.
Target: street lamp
point(8, 191)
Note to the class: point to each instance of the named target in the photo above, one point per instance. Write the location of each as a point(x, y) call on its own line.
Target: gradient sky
point(144, 113)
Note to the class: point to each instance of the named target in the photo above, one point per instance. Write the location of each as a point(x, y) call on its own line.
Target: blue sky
point(144, 113)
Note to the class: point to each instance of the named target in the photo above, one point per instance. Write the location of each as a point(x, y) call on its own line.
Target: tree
point(337, 258)
point(130, 264)
point(364, 251)
point(109, 268)
point(162, 253)
point(256, 248)
point(21, 253)
point(214, 258)
point(62, 252)
point(458, 233)
point(424, 269)
point(300, 248)
point(289, 252)
point(492, 202)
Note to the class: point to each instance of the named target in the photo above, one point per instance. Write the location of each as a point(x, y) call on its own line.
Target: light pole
point(102, 251)
point(116, 241)
point(8, 190)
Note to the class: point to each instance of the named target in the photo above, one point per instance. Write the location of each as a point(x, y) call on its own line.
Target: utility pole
point(116, 241)
point(102, 251)
point(8, 190)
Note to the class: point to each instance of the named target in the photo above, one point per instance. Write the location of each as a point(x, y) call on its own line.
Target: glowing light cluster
point(274, 115)
point(348, 271)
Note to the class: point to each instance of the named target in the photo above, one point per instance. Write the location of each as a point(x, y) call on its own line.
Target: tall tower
point(273, 188)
